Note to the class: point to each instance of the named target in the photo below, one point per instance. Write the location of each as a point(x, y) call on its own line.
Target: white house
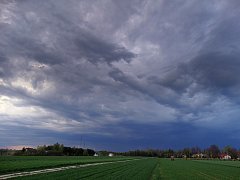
point(226, 157)
point(201, 155)
point(95, 155)
point(110, 155)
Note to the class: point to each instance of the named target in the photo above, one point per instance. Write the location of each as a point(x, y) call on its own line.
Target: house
point(184, 156)
point(110, 155)
point(95, 155)
point(225, 156)
point(199, 155)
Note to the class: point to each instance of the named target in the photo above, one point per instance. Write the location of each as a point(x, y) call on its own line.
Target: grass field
point(145, 168)
point(198, 169)
point(139, 170)
point(9, 164)
point(220, 162)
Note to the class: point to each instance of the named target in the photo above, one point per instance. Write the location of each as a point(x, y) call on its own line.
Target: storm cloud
point(107, 70)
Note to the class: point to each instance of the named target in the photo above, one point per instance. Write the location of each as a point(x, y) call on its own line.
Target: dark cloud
point(97, 51)
point(210, 71)
point(71, 42)
point(111, 68)
point(216, 70)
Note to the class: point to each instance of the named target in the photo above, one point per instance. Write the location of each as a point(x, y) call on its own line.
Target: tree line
point(57, 149)
point(50, 150)
point(212, 151)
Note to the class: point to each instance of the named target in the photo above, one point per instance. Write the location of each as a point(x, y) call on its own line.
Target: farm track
point(49, 170)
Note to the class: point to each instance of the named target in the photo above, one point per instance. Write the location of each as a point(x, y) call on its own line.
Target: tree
point(85, 152)
point(23, 149)
point(187, 152)
point(213, 151)
point(231, 151)
point(195, 150)
point(90, 152)
point(41, 150)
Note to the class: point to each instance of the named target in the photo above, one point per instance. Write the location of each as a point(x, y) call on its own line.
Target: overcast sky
point(120, 75)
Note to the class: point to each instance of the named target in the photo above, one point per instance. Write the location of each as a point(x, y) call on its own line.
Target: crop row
point(146, 168)
point(188, 169)
point(136, 169)
point(222, 162)
point(21, 163)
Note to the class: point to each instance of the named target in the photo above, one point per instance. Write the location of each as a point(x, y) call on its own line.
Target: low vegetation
point(139, 170)
point(188, 163)
point(197, 169)
point(10, 164)
point(50, 150)
point(150, 168)
point(57, 149)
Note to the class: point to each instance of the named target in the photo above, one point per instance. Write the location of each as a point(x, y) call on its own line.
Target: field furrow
point(10, 164)
point(140, 169)
point(190, 169)
point(118, 168)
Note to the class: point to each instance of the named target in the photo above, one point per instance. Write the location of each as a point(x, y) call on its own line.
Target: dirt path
point(29, 173)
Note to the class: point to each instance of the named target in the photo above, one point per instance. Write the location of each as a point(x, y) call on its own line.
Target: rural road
point(29, 173)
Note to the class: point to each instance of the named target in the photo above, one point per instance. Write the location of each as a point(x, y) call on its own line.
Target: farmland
point(140, 169)
point(198, 169)
point(9, 164)
point(125, 168)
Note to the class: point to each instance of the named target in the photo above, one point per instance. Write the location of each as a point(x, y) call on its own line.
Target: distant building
point(199, 155)
point(110, 155)
point(225, 156)
point(184, 156)
point(95, 155)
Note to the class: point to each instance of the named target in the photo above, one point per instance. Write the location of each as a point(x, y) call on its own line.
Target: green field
point(9, 164)
point(139, 170)
point(198, 169)
point(144, 168)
